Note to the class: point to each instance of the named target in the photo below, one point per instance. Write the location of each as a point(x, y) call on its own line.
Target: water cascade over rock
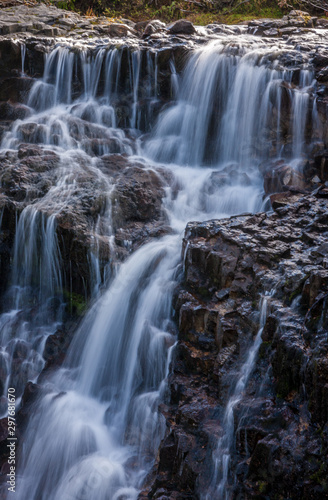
point(112, 152)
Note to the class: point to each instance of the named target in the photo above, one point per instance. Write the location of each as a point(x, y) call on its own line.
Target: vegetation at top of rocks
point(65, 4)
point(317, 5)
point(200, 12)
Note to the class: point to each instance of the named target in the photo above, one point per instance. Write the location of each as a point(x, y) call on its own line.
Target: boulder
point(284, 177)
point(153, 27)
point(16, 89)
point(10, 111)
point(181, 27)
point(117, 30)
point(137, 196)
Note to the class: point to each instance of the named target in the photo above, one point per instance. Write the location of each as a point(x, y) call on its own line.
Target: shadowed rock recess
point(163, 257)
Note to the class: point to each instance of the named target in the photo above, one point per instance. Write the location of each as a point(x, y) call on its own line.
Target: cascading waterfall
point(228, 116)
point(220, 488)
point(118, 383)
point(102, 77)
point(37, 263)
point(98, 426)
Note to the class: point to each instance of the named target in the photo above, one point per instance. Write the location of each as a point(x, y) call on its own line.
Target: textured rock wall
point(281, 430)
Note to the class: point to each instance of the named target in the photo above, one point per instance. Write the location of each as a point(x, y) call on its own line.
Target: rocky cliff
point(280, 446)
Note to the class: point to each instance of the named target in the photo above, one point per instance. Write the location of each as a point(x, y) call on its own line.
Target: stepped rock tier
point(163, 257)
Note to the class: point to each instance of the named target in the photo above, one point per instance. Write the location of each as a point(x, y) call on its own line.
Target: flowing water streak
point(229, 109)
point(35, 301)
point(106, 420)
point(135, 71)
point(100, 419)
point(113, 70)
point(23, 55)
point(37, 262)
point(219, 488)
point(174, 79)
point(91, 68)
point(300, 112)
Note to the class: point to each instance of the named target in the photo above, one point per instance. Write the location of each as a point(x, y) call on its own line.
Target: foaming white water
point(34, 300)
point(78, 125)
point(229, 108)
point(99, 428)
point(117, 366)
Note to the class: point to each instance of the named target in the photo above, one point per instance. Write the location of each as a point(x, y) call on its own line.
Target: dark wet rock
point(280, 442)
point(321, 163)
point(118, 30)
point(9, 111)
point(31, 395)
point(57, 344)
point(181, 27)
point(10, 56)
point(15, 89)
point(228, 176)
point(97, 147)
point(282, 199)
point(137, 196)
point(140, 26)
point(289, 24)
point(27, 176)
point(137, 212)
point(31, 172)
point(222, 28)
point(30, 175)
point(282, 177)
point(7, 234)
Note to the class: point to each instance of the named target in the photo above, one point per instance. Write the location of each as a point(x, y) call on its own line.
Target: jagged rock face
point(281, 441)
point(29, 174)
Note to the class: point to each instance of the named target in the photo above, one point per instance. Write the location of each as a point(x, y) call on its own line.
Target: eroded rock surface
point(281, 440)
point(130, 192)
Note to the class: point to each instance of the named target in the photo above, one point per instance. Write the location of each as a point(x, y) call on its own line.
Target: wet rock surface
point(281, 440)
point(286, 26)
point(131, 191)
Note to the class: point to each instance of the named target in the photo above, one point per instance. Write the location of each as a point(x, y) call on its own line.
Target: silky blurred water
point(96, 432)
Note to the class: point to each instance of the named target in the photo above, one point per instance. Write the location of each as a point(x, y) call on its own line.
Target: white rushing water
point(95, 433)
